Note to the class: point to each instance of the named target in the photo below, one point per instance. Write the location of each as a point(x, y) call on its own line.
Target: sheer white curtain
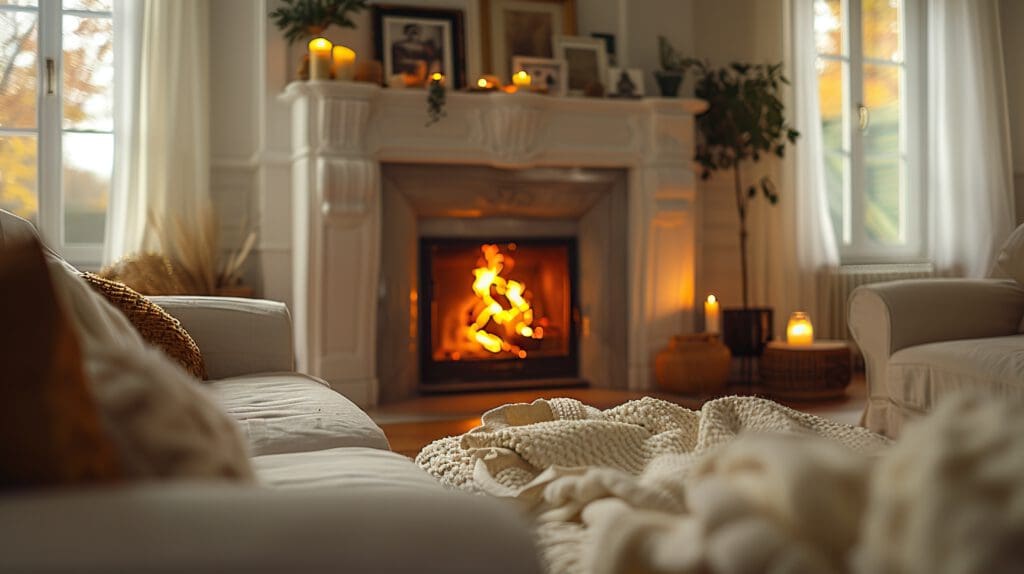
point(162, 166)
point(970, 179)
point(795, 245)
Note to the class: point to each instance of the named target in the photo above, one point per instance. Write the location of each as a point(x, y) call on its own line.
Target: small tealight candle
point(482, 84)
point(437, 78)
point(344, 63)
point(521, 79)
point(320, 59)
point(712, 316)
point(799, 330)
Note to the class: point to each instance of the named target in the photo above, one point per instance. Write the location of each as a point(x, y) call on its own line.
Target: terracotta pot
point(693, 365)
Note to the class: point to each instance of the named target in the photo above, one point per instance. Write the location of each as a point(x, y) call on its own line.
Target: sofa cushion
point(920, 375)
point(289, 412)
point(364, 468)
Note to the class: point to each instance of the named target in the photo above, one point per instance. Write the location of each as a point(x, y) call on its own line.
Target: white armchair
point(922, 339)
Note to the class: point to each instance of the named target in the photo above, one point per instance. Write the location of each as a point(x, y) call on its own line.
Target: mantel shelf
point(457, 99)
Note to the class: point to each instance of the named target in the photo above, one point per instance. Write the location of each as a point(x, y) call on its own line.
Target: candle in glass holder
point(712, 316)
point(320, 59)
point(521, 79)
point(799, 330)
point(344, 63)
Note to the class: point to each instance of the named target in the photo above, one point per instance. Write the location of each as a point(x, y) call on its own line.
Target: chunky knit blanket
point(743, 485)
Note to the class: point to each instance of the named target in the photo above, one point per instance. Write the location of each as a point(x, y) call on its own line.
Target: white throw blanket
point(744, 485)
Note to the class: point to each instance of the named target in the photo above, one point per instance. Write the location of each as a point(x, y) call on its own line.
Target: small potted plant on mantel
point(673, 69)
point(745, 122)
point(306, 19)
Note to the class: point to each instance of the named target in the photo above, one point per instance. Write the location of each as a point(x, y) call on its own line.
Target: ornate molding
point(346, 188)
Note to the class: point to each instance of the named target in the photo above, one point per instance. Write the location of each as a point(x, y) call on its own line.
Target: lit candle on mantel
point(344, 63)
point(521, 80)
point(799, 330)
point(437, 78)
point(320, 59)
point(712, 316)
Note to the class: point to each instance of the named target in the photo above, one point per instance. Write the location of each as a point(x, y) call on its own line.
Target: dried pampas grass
point(189, 262)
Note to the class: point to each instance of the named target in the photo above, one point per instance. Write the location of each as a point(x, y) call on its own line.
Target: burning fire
point(518, 313)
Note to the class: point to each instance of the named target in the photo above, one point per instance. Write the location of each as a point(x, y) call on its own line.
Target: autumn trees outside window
point(869, 67)
point(56, 119)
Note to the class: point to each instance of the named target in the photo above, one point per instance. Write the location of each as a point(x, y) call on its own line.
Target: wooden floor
point(411, 425)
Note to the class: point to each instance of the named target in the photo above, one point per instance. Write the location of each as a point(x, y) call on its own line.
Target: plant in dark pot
point(745, 122)
point(306, 19)
point(673, 69)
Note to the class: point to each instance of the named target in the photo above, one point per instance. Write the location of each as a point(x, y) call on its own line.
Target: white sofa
point(923, 339)
point(331, 496)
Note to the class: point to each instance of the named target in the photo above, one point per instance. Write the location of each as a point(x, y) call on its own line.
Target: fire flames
point(516, 311)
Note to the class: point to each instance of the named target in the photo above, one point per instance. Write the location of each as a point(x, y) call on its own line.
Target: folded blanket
point(743, 485)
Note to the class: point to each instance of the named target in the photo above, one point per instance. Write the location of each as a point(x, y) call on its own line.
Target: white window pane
point(19, 2)
point(832, 94)
point(882, 97)
point(88, 73)
point(880, 29)
point(18, 176)
point(829, 27)
point(92, 5)
point(88, 164)
point(883, 200)
point(18, 49)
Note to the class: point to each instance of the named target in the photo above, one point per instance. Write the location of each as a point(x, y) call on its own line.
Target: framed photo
point(414, 43)
point(586, 59)
point(625, 83)
point(524, 28)
point(547, 73)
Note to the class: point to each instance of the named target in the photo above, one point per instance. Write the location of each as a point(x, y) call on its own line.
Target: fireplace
point(493, 311)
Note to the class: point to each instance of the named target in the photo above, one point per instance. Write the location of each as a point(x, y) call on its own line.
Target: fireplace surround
point(346, 136)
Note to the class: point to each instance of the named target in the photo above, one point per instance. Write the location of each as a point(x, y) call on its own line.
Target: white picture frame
point(620, 78)
point(549, 72)
point(586, 61)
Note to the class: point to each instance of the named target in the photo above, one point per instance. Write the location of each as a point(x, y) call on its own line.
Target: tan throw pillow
point(153, 323)
point(51, 431)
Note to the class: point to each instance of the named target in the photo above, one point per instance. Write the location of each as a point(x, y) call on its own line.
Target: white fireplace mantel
point(341, 134)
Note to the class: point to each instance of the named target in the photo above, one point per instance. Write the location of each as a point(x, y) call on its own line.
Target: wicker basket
point(817, 371)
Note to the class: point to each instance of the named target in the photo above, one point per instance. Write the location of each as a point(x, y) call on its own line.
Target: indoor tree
point(745, 121)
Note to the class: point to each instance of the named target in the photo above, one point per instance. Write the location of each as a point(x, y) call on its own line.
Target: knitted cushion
point(153, 323)
point(51, 432)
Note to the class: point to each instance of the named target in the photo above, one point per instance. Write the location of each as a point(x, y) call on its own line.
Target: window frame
point(49, 130)
point(853, 244)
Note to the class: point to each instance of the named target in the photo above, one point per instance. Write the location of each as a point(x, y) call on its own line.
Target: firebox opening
point(497, 310)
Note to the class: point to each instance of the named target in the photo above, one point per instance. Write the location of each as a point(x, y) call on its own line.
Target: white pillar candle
point(319, 59)
point(712, 316)
point(344, 63)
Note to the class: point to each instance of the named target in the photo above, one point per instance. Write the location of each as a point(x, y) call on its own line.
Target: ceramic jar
point(695, 364)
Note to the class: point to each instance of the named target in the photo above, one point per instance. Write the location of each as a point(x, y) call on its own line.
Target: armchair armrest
point(236, 336)
point(887, 317)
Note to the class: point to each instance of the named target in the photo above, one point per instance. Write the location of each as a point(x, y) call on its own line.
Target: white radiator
point(849, 277)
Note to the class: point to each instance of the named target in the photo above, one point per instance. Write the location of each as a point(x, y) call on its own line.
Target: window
point(868, 69)
point(56, 119)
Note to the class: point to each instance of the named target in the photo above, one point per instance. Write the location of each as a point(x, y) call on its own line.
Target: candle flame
point(481, 83)
point(712, 299)
point(320, 45)
point(437, 76)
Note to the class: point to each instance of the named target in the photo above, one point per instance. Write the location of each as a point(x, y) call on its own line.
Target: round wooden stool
point(820, 370)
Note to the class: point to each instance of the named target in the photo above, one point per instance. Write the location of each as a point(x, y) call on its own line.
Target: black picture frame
point(385, 16)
